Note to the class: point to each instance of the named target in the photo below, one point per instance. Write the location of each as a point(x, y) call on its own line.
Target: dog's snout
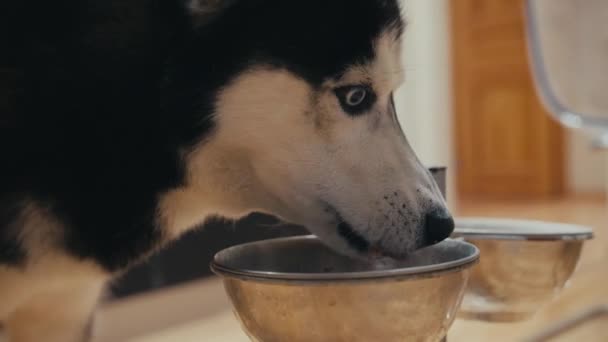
point(437, 227)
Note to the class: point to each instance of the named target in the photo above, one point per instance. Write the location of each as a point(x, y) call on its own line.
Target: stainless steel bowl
point(524, 264)
point(296, 289)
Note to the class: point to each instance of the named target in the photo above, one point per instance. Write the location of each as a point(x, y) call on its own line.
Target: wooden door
point(506, 145)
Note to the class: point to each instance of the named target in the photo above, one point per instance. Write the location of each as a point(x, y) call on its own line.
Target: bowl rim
point(395, 273)
point(491, 228)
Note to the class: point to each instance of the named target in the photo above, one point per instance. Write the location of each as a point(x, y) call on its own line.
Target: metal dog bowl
point(524, 264)
point(296, 289)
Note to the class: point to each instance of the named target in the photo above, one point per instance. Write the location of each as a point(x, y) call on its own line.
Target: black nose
point(438, 226)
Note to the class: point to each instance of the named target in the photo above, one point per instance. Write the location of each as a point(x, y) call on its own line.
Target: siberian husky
point(124, 124)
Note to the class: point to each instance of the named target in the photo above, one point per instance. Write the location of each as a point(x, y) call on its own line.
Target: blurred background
point(469, 102)
point(469, 83)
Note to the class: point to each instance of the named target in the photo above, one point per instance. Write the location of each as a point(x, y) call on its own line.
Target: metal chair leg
point(563, 327)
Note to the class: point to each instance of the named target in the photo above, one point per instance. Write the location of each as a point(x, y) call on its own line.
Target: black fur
point(11, 251)
point(100, 98)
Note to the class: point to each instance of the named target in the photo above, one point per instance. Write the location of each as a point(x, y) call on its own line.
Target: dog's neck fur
point(224, 184)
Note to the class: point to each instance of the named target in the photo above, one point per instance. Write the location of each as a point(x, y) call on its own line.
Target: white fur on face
point(286, 148)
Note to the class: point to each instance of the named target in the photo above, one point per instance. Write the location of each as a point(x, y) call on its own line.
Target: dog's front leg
point(58, 315)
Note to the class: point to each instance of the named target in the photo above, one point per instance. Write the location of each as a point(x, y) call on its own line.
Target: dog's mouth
point(361, 244)
point(355, 240)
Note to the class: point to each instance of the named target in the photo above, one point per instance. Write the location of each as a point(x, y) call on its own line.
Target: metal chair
point(569, 62)
point(570, 75)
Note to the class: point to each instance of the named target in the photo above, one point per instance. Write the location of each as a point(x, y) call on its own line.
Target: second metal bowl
point(524, 264)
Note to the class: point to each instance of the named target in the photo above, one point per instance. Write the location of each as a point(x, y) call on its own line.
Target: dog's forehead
point(317, 39)
point(383, 71)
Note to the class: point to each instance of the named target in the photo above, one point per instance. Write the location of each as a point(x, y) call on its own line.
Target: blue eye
point(355, 96)
point(355, 99)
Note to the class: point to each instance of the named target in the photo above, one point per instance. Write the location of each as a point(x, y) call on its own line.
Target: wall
point(586, 168)
point(424, 101)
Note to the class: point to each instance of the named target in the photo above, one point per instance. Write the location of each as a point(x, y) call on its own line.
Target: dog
point(125, 124)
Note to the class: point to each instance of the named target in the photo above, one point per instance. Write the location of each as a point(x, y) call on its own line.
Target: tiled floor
point(200, 312)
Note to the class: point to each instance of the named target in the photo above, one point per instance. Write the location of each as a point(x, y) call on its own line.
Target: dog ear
point(203, 11)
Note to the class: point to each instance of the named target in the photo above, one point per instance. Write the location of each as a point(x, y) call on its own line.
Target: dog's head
point(305, 127)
